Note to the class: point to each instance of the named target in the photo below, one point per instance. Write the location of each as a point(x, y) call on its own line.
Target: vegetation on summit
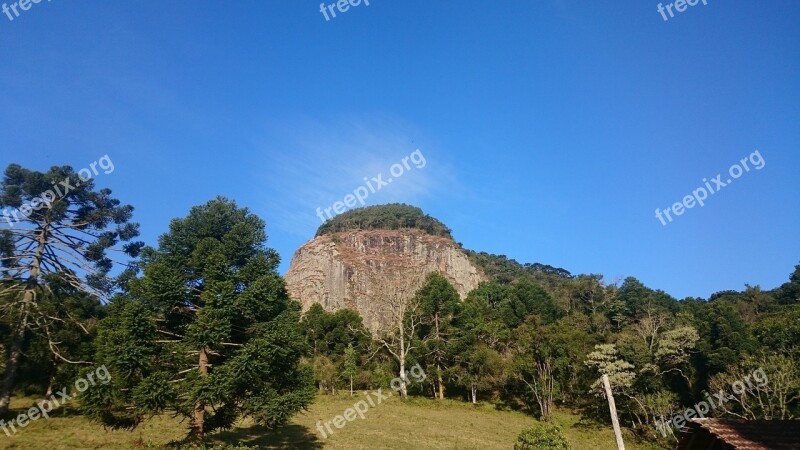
point(393, 216)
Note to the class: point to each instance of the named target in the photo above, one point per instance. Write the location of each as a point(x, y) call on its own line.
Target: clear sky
point(551, 129)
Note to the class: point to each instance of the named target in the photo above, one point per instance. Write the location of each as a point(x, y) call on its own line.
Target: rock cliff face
point(350, 269)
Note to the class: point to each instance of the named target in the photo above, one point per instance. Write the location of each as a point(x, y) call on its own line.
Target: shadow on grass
point(290, 436)
point(589, 424)
point(61, 411)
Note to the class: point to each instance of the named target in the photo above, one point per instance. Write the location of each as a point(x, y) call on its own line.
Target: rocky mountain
point(392, 247)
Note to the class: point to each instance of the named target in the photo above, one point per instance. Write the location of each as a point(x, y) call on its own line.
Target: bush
point(542, 437)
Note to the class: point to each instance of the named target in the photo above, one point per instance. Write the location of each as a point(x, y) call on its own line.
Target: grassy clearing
point(394, 424)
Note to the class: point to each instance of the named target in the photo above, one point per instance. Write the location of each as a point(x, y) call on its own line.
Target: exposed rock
point(349, 269)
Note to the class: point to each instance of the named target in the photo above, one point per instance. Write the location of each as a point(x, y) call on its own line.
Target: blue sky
point(551, 130)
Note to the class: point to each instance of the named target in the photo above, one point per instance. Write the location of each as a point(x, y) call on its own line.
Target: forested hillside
point(538, 338)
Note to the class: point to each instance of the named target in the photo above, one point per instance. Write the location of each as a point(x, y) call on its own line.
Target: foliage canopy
point(393, 216)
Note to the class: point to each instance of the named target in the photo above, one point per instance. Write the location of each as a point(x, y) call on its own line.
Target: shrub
point(542, 437)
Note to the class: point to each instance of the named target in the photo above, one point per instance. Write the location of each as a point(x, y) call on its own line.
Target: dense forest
point(201, 326)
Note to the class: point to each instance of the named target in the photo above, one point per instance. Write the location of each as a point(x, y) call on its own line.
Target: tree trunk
point(613, 410)
point(351, 386)
point(52, 384)
point(440, 382)
point(438, 366)
point(474, 394)
point(12, 363)
point(198, 421)
point(403, 387)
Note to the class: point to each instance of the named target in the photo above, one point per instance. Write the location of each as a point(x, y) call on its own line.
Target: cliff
point(348, 269)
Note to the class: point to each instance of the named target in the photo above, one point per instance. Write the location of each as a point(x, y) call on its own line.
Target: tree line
point(542, 340)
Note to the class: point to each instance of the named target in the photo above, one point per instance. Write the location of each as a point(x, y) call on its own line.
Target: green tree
point(789, 293)
point(478, 364)
point(584, 293)
point(606, 360)
point(527, 298)
point(325, 373)
point(546, 360)
point(63, 237)
point(350, 365)
point(724, 335)
point(763, 387)
point(478, 368)
point(439, 305)
point(674, 351)
point(330, 333)
point(42, 371)
point(314, 324)
point(209, 332)
point(481, 320)
point(329, 336)
point(780, 331)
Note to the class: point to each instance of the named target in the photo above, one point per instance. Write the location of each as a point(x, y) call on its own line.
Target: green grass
point(394, 424)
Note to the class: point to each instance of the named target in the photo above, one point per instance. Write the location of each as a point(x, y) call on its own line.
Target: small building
point(725, 434)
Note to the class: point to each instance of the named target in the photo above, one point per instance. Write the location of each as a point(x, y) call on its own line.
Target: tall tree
point(439, 305)
point(332, 336)
point(546, 359)
point(478, 368)
point(606, 360)
point(527, 298)
point(481, 319)
point(209, 331)
point(350, 365)
point(314, 327)
point(397, 300)
point(584, 293)
point(725, 335)
point(789, 293)
point(64, 232)
point(482, 336)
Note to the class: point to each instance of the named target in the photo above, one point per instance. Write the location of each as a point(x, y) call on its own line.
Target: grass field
point(394, 424)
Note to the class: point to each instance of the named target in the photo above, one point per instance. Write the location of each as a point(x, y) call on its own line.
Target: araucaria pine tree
point(57, 244)
point(208, 332)
point(439, 306)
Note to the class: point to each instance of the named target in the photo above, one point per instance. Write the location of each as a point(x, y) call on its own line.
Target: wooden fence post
point(613, 408)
